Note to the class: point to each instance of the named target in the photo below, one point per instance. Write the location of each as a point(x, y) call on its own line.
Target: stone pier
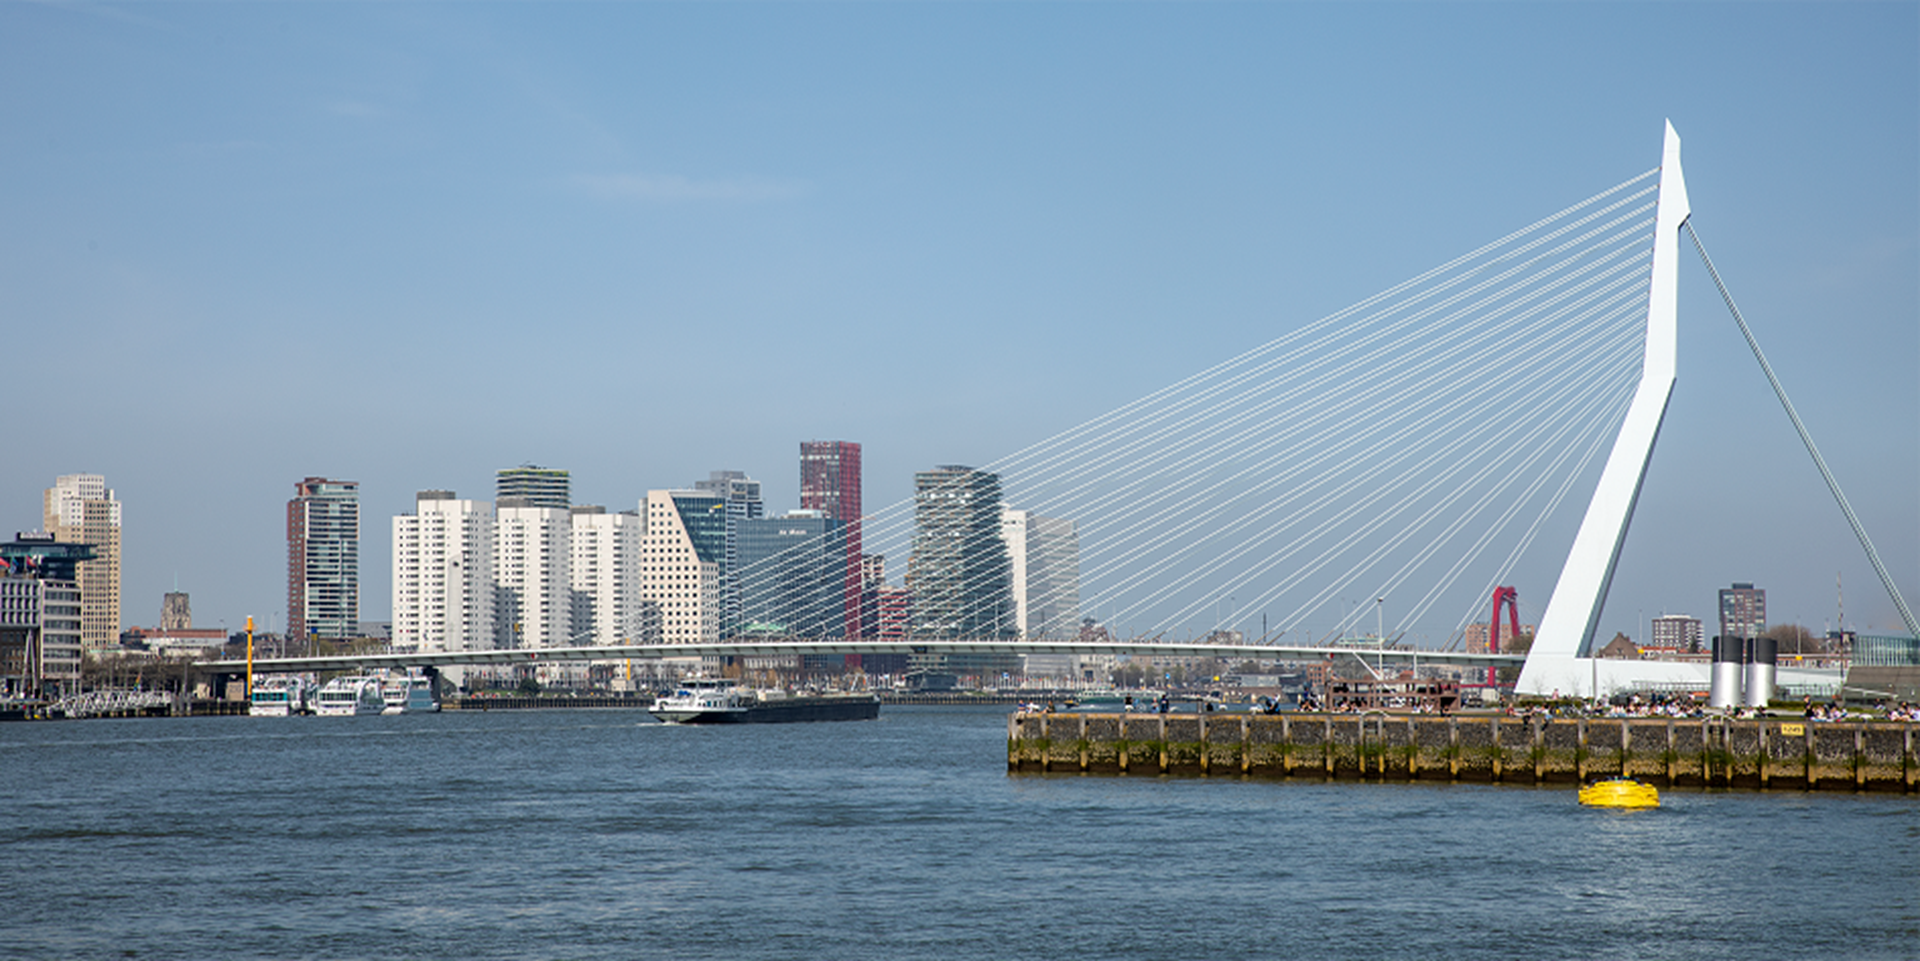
point(1772, 753)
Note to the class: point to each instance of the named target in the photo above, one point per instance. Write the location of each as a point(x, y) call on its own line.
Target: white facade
point(673, 577)
point(66, 499)
point(45, 616)
point(443, 592)
point(1563, 645)
point(1013, 530)
point(1678, 631)
point(533, 571)
point(606, 576)
point(1045, 553)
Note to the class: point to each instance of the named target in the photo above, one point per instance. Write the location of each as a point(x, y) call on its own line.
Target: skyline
point(581, 237)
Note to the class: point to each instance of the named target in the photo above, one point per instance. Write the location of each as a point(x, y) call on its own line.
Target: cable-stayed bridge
point(1486, 423)
point(1419, 445)
point(788, 649)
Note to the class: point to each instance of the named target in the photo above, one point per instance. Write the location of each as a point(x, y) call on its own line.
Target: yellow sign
point(1793, 730)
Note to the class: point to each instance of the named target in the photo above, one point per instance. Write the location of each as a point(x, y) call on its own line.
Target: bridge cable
point(1886, 579)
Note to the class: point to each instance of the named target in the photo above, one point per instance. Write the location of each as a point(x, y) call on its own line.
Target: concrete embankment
point(512, 702)
point(1763, 753)
point(198, 707)
point(523, 703)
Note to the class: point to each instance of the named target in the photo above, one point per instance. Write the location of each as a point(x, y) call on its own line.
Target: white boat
point(411, 694)
point(702, 700)
point(714, 700)
point(350, 695)
point(280, 695)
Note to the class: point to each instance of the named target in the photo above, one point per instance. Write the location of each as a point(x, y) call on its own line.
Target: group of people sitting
point(1902, 711)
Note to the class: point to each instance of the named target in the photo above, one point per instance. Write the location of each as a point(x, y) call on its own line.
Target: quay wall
point(522, 703)
point(1770, 753)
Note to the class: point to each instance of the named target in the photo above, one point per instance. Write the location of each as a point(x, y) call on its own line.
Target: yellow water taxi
point(1620, 792)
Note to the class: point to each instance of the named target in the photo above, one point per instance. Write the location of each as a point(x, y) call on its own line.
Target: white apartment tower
point(1052, 604)
point(1045, 555)
point(79, 509)
point(443, 592)
point(674, 576)
point(1013, 530)
point(533, 572)
point(606, 577)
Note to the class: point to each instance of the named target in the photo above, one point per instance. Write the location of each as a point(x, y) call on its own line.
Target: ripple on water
point(590, 835)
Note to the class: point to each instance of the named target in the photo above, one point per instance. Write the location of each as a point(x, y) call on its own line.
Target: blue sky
point(410, 244)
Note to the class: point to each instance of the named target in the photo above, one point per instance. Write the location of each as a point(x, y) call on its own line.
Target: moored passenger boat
point(350, 695)
point(280, 695)
point(411, 694)
point(721, 701)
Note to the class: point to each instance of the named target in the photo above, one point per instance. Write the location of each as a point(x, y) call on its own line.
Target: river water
point(599, 834)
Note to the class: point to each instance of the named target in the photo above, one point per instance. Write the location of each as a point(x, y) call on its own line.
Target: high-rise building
point(323, 559)
point(682, 549)
point(79, 509)
point(1044, 557)
point(742, 496)
point(533, 486)
point(1743, 611)
point(830, 482)
point(960, 573)
point(533, 575)
point(443, 590)
point(40, 615)
point(742, 493)
point(1678, 632)
point(176, 612)
point(1051, 607)
point(790, 575)
point(606, 577)
point(1013, 530)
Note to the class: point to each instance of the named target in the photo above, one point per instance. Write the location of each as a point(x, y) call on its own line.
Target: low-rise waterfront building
point(165, 641)
point(41, 604)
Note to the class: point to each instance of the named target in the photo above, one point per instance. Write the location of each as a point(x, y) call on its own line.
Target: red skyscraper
point(830, 482)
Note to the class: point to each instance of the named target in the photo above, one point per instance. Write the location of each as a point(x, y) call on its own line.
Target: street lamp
point(1380, 630)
